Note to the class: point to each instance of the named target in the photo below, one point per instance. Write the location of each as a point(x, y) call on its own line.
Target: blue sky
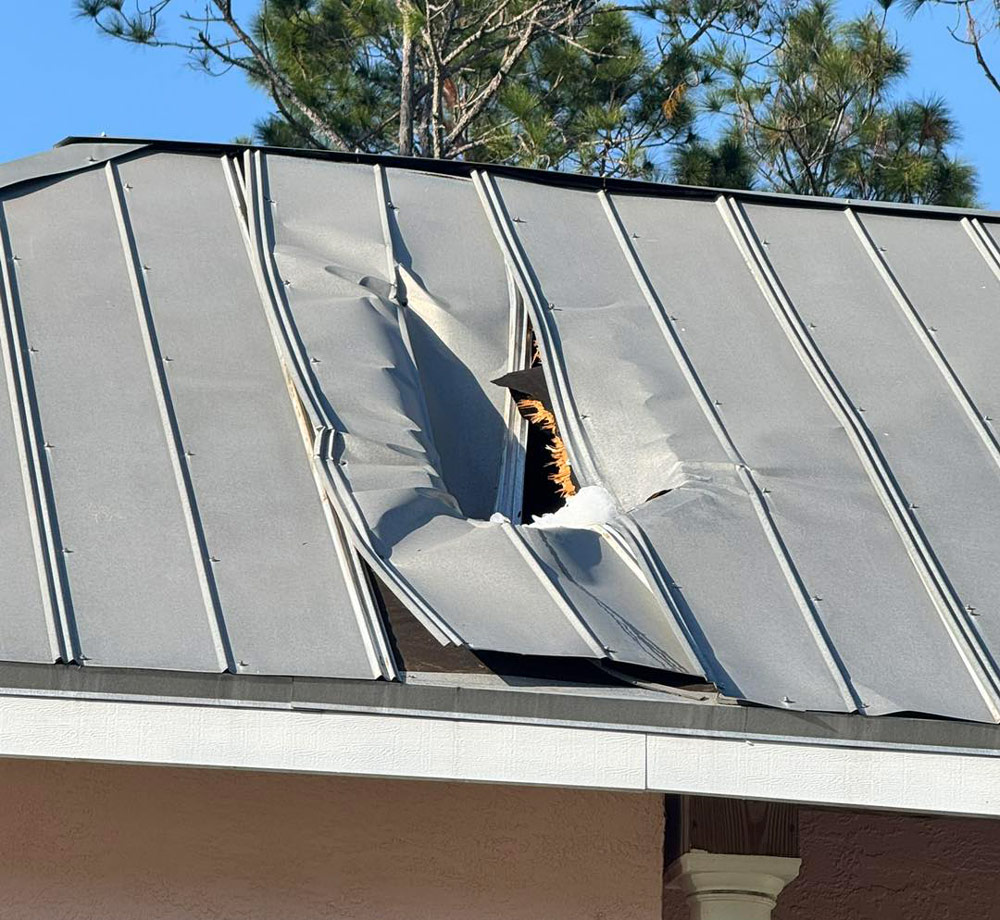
point(62, 78)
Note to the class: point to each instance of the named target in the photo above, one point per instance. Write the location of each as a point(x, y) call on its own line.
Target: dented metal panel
point(376, 401)
point(652, 431)
point(455, 287)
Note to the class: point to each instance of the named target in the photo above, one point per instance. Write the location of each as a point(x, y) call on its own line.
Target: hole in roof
point(548, 477)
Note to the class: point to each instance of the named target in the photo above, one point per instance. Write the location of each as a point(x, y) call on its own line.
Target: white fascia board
point(468, 750)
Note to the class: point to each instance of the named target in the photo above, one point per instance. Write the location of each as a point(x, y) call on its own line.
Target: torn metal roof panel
point(248, 383)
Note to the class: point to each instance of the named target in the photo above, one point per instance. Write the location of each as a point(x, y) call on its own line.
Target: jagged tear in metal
point(234, 382)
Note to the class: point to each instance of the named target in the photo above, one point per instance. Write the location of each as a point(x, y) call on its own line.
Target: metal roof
point(237, 377)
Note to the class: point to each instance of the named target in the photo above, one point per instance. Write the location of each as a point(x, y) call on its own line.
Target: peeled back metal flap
point(457, 300)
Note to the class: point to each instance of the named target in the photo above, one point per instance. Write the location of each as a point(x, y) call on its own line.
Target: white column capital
point(723, 886)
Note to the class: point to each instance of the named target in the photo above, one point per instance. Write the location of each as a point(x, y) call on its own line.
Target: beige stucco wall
point(878, 866)
point(95, 842)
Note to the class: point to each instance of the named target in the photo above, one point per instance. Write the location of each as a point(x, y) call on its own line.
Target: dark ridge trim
point(465, 168)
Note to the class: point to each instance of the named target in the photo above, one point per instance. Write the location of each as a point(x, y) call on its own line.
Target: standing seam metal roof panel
point(133, 585)
point(281, 582)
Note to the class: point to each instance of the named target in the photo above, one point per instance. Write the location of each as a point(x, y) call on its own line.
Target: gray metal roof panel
point(133, 584)
point(272, 557)
point(769, 365)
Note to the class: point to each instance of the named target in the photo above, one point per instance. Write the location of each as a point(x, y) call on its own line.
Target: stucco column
point(721, 886)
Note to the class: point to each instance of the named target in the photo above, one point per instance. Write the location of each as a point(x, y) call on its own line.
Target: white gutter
point(422, 747)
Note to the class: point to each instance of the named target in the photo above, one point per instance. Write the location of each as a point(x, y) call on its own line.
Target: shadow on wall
point(874, 866)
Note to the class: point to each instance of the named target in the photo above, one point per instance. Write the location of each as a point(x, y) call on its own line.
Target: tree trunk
point(406, 90)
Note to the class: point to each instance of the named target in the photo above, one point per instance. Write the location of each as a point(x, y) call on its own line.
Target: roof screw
point(392, 207)
point(167, 358)
point(969, 609)
point(765, 491)
point(881, 249)
point(189, 453)
point(145, 268)
point(786, 700)
point(342, 462)
point(765, 243)
point(812, 325)
point(15, 258)
point(242, 663)
point(674, 585)
point(286, 282)
point(517, 220)
point(817, 598)
point(47, 446)
point(912, 506)
point(128, 186)
point(32, 350)
point(635, 235)
point(91, 159)
point(66, 550)
point(716, 402)
point(673, 318)
point(314, 360)
point(213, 559)
point(584, 416)
point(988, 418)
point(932, 328)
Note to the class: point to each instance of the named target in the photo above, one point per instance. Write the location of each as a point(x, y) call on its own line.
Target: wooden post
point(730, 857)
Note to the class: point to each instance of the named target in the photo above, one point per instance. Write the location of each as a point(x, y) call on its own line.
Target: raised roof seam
point(510, 481)
point(59, 625)
point(546, 335)
point(899, 295)
point(985, 243)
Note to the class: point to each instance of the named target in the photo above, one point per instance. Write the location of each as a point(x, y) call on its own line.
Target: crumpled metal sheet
point(790, 405)
point(487, 584)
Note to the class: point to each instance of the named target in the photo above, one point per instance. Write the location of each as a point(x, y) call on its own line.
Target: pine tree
point(589, 85)
point(815, 116)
